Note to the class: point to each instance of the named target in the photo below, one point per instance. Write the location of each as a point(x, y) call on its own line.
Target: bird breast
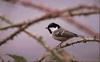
point(58, 35)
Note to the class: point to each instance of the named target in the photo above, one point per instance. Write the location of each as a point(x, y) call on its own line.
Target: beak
point(46, 28)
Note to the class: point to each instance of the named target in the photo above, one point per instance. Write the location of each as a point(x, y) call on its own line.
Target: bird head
point(52, 27)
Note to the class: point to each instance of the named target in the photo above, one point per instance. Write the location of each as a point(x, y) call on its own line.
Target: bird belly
point(62, 39)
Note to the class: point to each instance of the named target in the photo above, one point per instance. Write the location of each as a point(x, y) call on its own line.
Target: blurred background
point(23, 45)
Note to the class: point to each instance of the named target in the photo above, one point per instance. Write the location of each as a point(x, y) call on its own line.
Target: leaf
point(18, 58)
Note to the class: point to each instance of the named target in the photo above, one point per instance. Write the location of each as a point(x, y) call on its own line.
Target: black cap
point(52, 25)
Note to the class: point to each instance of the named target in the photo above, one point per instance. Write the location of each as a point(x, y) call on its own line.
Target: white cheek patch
point(53, 29)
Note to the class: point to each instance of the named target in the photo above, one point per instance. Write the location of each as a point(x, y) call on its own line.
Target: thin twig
point(78, 10)
point(36, 6)
point(38, 39)
point(47, 9)
point(47, 16)
point(3, 18)
point(80, 26)
point(83, 7)
point(12, 26)
point(54, 52)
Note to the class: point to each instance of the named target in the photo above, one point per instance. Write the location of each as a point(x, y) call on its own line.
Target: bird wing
point(64, 33)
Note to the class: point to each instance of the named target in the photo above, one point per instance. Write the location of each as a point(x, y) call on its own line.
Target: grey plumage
point(63, 35)
point(60, 34)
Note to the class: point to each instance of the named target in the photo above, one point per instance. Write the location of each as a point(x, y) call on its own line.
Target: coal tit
point(59, 33)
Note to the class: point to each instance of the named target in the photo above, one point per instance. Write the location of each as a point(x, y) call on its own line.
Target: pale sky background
point(24, 45)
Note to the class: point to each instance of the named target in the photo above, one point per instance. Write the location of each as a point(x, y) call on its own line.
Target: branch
point(1, 59)
point(38, 39)
point(11, 36)
point(83, 7)
point(80, 26)
point(77, 40)
point(37, 6)
point(82, 41)
point(68, 12)
point(76, 11)
point(59, 54)
point(80, 8)
point(3, 18)
point(11, 1)
point(71, 42)
point(47, 9)
point(45, 17)
point(95, 9)
point(49, 49)
point(13, 26)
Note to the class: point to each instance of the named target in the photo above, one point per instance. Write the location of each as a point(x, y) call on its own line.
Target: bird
point(59, 33)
